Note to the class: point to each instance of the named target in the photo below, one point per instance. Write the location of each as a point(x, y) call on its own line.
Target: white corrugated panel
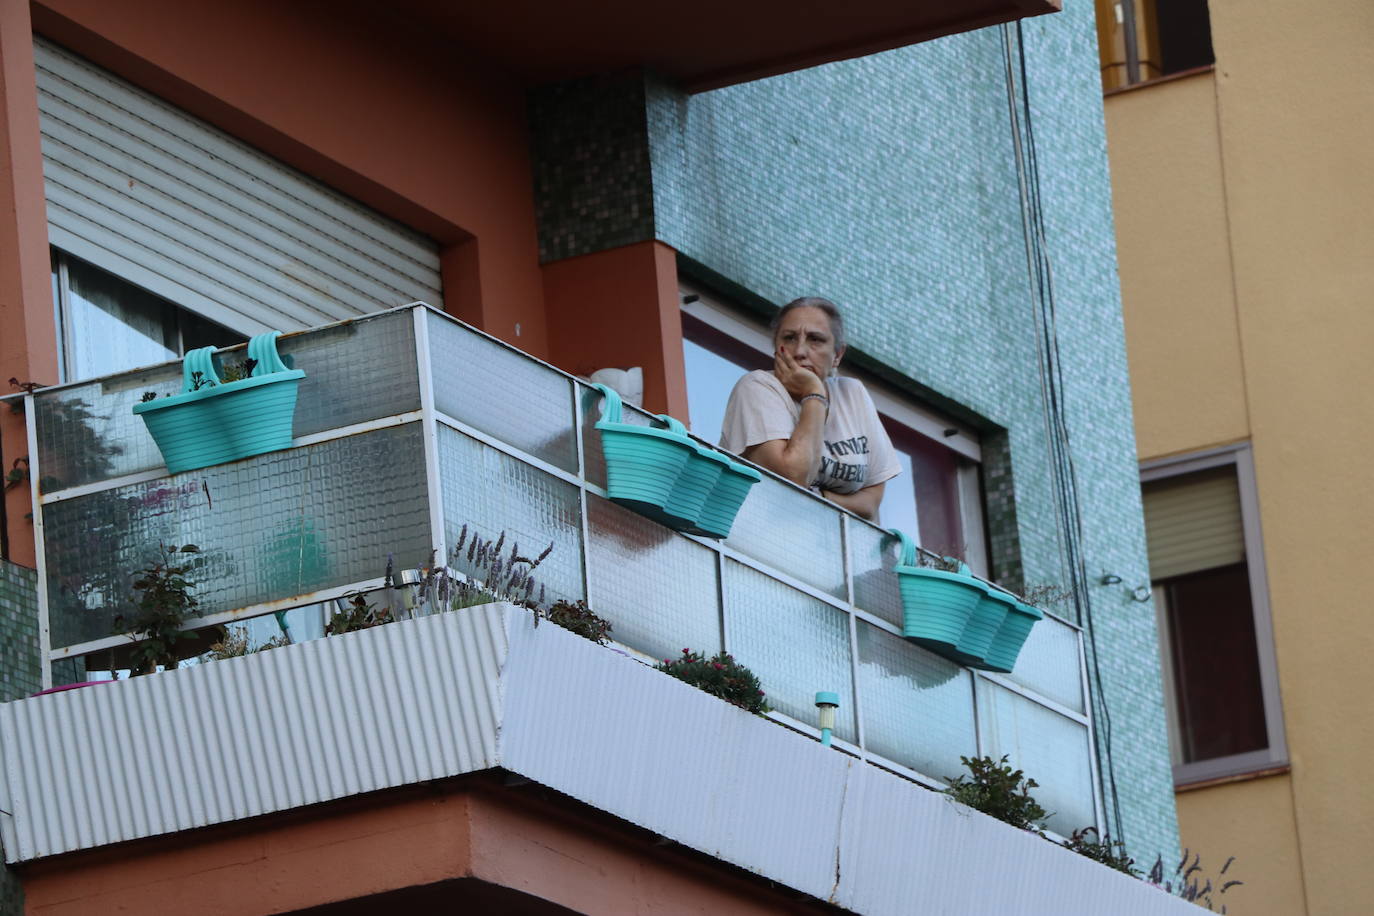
point(149, 192)
point(419, 700)
point(1193, 522)
point(227, 740)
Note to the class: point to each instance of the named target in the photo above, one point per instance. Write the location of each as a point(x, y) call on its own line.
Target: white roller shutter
point(1193, 522)
point(145, 191)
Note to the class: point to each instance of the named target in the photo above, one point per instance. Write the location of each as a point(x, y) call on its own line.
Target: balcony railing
point(412, 425)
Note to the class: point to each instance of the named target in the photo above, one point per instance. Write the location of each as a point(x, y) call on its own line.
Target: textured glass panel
point(491, 492)
point(873, 555)
point(1053, 751)
point(270, 528)
point(1048, 664)
point(794, 643)
point(657, 588)
point(89, 433)
point(786, 529)
point(591, 439)
point(917, 707)
point(502, 393)
point(355, 371)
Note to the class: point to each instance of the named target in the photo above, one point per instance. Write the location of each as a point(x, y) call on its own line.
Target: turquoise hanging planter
point(937, 605)
point(213, 422)
point(643, 463)
point(666, 476)
point(983, 626)
point(1011, 636)
point(723, 504)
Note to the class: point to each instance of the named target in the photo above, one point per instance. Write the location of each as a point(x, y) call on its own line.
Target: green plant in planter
point(359, 615)
point(720, 676)
point(164, 605)
point(1111, 853)
point(996, 789)
point(576, 616)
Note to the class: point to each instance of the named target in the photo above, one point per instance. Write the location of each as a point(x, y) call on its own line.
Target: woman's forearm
point(799, 457)
point(863, 503)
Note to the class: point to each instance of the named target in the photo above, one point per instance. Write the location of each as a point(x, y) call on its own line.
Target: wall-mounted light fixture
point(827, 702)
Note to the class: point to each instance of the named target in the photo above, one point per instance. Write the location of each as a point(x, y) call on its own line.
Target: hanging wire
point(1063, 473)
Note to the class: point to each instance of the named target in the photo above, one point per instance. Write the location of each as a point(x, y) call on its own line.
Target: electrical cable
point(1064, 474)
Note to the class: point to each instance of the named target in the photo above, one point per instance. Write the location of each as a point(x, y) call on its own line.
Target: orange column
point(617, 309)
point(28, 339)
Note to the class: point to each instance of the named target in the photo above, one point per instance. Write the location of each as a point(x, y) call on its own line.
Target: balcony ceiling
point(704, 45)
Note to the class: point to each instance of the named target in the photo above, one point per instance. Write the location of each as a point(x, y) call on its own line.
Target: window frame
point(890, 403)
point(60, 259)
point(1241, 457)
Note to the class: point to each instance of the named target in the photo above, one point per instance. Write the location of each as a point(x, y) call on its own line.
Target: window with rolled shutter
point(145, 191)
point(1193, 522)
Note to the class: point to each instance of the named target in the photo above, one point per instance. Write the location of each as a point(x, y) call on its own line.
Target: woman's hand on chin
point(797, 379)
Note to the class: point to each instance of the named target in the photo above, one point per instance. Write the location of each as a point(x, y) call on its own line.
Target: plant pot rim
point(930, 573)
point(190, 397)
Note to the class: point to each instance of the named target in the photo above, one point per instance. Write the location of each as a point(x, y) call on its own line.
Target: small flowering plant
point(719, 676)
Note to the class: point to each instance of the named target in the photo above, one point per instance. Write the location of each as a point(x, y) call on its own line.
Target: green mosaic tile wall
point(591, 165)
point(889, 184)
point(19, 675)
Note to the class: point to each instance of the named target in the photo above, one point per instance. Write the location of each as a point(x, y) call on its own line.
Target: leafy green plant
point(359, 615)
point(1189, 882)
point(996, 789)
point(720, 676)
point(238, 371)
point(164, 604)
point(576, 616)
point(1111, 853)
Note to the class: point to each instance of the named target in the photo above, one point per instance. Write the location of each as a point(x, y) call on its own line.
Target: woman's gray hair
point(832, 311)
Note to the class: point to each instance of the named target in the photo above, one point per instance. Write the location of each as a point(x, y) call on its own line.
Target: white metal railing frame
point(431, 419)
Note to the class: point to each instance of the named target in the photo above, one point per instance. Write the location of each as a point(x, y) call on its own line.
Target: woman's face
point(805, 334)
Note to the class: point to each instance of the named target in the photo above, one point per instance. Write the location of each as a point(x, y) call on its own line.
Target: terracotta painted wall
point(353, 96)
point(28, 343)
point(1265, 166)
point(617, 309)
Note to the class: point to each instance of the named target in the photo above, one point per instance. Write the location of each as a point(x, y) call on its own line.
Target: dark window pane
point(1216, 664)
point(1185, 34)
point(930, 480)
point(197, 332)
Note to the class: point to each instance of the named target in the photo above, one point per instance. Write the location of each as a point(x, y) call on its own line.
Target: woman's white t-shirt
point(856, 451)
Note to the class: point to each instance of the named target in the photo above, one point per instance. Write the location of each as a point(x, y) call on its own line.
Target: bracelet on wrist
point(820, 397)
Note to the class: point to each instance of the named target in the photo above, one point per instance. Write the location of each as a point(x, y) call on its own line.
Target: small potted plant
point(720, 676)
point(213, 421)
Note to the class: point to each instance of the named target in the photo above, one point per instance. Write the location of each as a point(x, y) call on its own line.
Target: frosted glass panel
point(491, 492)
point(873, 555)
point(786, 529)
point(1052, 750)
point(794, 643)
point(270, 527)
point(502, 393)
point(657, 588)
point(89, 433)
point(355, 371)
point(358, 371)
point(917, 707)
point(1048, 664)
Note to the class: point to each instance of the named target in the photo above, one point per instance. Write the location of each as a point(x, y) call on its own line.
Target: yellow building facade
point(1244, 204)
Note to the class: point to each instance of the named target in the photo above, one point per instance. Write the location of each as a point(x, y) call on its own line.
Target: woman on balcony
point(804, 422)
